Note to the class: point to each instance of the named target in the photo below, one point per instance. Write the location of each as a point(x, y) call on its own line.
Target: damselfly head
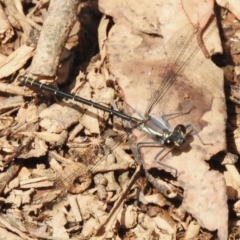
point(176, 138)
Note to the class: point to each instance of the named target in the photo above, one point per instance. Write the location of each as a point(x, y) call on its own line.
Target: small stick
point(61, 16)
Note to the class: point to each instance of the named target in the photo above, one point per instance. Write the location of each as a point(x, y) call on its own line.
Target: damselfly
point(150, 125)
point(157, 129)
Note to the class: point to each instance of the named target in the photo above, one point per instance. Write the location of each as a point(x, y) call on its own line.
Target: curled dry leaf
point(131, 62)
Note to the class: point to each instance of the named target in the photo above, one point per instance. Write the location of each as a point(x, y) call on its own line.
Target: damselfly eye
point(169, 143)
point(180, 128)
